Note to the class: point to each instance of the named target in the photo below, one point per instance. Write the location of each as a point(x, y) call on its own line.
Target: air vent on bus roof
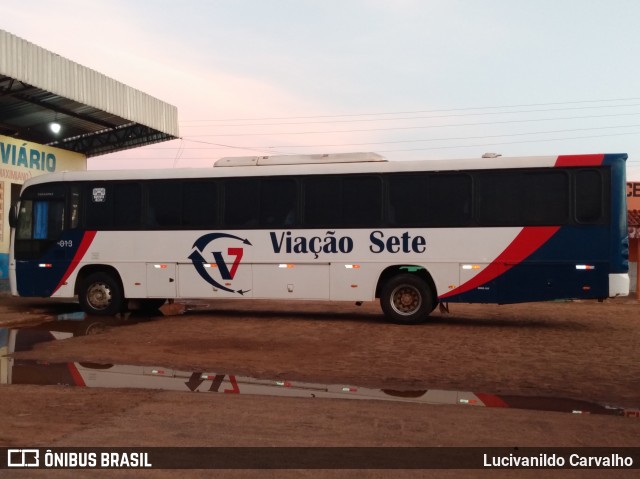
point(298, 159)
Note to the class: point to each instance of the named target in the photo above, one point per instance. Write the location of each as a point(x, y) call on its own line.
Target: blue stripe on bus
point(619, 245)
point(552, 272)
point(36, 280)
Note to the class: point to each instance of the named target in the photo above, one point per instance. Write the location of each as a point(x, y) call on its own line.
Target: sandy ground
point(574, 350)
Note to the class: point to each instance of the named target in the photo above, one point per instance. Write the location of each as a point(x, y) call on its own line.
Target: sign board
point(633, 196)
point(19, 161)
point(633, 207)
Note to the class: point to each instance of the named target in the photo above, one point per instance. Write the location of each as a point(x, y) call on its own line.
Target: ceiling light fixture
point(55, 127)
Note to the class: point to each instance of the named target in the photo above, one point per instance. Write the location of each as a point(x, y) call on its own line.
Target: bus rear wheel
point(406, 299)
point(101, 295)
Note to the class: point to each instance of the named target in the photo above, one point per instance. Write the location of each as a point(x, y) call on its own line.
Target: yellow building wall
point(19, 161)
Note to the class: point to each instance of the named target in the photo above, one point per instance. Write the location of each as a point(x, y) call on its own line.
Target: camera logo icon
point(23, 458)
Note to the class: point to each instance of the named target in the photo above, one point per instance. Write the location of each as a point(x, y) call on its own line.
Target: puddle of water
point(13, 371)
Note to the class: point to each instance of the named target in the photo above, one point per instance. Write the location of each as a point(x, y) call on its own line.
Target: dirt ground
point(586, 351)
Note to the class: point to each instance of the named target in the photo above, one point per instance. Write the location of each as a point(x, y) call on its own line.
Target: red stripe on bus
point(87, 239)
point(491, 400)
point(234, 386)
point(78, 380)
point(528, 241)
point(579, 160)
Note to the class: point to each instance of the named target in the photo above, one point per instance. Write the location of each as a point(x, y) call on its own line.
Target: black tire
point(406, 299)
point(100, 294)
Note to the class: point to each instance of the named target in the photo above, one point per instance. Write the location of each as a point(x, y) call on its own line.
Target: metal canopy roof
point(97, 114)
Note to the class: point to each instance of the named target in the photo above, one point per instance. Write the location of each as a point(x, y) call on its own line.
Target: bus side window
point(523, 198)
point(361, 201)
point(127, 206)
point(545, 198)
point(278, 203)
point(163, 204)
point(200, 204)
point(588, 196)
point(448, 200)
point(407, 200)
point(98, 206)
point(322, 202)
point(241, 200)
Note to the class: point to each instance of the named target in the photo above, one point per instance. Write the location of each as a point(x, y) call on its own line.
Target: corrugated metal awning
point(97, 114)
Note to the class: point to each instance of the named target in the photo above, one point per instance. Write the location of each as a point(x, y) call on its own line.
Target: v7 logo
point(222, 265)
point(226, 273)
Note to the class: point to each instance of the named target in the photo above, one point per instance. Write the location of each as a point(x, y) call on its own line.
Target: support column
point(637, 268)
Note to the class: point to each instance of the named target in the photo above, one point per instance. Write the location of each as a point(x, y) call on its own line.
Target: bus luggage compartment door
point(291, 280)
point(161, 280)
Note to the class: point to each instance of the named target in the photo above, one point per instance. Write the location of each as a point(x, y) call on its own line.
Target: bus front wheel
point(101, 295)
point(406, 299)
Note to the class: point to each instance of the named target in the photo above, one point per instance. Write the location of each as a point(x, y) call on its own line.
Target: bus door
point(43, 248)
point(291, 280)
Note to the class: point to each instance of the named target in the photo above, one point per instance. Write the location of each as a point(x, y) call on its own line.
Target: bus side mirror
point(13, 215)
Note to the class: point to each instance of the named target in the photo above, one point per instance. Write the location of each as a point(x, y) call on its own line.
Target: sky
point(409, 79)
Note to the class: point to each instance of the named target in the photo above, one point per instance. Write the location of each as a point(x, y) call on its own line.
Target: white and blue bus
point(342, 227)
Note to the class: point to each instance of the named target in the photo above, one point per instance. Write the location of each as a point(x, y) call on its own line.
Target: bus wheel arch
point(100, 290)
point(407, 294)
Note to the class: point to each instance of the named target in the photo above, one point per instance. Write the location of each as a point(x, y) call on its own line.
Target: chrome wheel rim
point(99, 296)
point(406, 300)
